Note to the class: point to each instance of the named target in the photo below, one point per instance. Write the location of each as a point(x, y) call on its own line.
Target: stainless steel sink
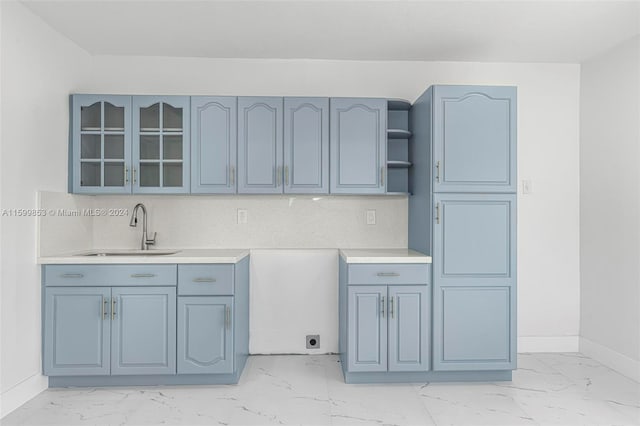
point(129, 253)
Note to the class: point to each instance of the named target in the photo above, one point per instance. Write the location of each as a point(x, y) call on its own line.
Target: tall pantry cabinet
point(463, 212)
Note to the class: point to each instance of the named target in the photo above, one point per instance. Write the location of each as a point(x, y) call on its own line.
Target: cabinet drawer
point(204, 280)
point(389, 273)
point(110, 275)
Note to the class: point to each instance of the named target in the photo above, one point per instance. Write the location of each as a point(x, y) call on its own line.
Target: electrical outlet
point(371, 217)
point(313, 341)
point(243, 216)
point(527, 186)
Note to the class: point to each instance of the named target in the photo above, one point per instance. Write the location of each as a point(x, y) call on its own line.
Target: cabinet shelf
point(398, 134)
point(395, 164)
point(398, 105)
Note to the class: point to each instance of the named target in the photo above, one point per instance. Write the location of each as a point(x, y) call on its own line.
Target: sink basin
point(129, 253)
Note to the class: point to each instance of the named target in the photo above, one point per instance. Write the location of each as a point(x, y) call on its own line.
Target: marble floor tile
point(547, 389)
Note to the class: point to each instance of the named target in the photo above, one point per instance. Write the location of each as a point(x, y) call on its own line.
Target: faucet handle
point(152, 241)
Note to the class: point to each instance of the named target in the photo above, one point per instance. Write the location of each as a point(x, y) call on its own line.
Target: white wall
point(39, 69)
point(548, 152)
point(610, 207)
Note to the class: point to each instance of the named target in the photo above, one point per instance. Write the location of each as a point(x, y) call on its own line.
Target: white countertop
point(384, 256)
point(182, 256)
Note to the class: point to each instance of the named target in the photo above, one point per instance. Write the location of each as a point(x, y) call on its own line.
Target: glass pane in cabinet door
point(150, 174)
point(149, 147)
point(90, 117)
point(114, 147)
point(90, 146)
point(172, 147)
point(90, 174)
point(172, 174)
point(113, 117)
point(150, 118)
point(171, 118)
point(113, 174)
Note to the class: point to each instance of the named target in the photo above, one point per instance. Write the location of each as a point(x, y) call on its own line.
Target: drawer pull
point(72, 275)
point(204, 280)
point(388, 274)
point(143, 275)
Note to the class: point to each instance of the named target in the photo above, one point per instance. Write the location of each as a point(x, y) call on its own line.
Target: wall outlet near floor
point(371, 217)
point(243, 216)
point(313, 341)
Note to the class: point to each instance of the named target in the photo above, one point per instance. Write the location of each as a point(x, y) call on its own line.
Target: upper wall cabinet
point(306, 145)
point(213, 144)
point(161, 144)
point(358, 145)
point(260, 145)
point(474, 139)
point(100, 154)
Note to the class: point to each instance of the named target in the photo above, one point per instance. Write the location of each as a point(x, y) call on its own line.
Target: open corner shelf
point(398, 134)
point(395, 164)
point(398, 105)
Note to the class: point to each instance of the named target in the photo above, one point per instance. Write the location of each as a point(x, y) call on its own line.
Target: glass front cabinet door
point(129, 144)
point(101, 144)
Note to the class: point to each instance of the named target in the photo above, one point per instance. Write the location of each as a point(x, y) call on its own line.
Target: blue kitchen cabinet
point(474, 274)
point(384, 316)
point(358, 150)
point(205, 336)
point(260, 145)
point(306, 145)
point(77, 327)
point(474, 139)
point(143, 334)
point(161, 138)
point(100, 144)
point(213, 144)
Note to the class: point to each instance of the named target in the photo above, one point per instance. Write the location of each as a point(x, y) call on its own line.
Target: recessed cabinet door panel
point(367, 335)
point(143, 337)
point(409, 327)
point(358, 145)
point(76, 335)
point(474, 139)
point(474, 238)
point(100, 155)
point(260, 145)
point(205, 336)
point(474, 328)
point(306, 145)
point(213, 144)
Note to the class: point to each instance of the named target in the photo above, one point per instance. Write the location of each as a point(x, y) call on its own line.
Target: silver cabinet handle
point(382, 306)
point(204, 280)
point(143, 275)
point(278, 176)
point(286, 175)
point(103, 310)
point(134, 175)
point(438, 213)
point(388, 274)
point(227, 317)
point(72, 275)
point(381, 176)
point(113, 308)
point(126, 175)
point(232, 172)
point(391, 307)
point(438, 171)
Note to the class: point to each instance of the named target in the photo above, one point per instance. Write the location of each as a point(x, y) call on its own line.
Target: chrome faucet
point(146, 242)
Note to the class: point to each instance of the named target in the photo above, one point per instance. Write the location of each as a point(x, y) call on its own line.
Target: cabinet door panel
point(260, 145)
point(474, 328)
point(475, 139)
point(358, 145)
point(367, 335)
point(213, 144)
point(306, 145)
point(409, 327)
point(76, 331)
point(474, 239)
point(143, 338)
point(205, 335)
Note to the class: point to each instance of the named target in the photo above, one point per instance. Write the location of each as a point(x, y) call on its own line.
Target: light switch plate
point(243, 216)
point(527, 186)
point(371, 217)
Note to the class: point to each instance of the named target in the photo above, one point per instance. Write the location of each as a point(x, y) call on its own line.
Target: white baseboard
point(21, 393)
point(615, 360)
point(548, 344)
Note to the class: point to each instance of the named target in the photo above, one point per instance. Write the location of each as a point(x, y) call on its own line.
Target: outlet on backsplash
point(371, 217)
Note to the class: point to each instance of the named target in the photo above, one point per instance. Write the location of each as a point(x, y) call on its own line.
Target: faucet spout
point(146, 242)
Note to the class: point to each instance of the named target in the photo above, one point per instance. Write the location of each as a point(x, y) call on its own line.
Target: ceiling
point(487, 31)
